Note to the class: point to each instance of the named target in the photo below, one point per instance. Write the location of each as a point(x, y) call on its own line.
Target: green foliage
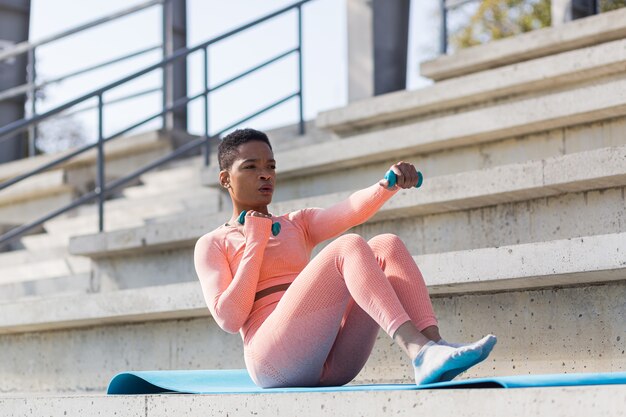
point(608, 5)
point(497, 19)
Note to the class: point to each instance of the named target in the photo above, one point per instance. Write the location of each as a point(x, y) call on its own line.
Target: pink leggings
point(323, 329)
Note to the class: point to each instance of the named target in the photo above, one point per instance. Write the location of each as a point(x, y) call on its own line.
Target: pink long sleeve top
point(233, 267)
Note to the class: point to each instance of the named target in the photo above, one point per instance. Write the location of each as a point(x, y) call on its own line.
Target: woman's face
point(252, 175)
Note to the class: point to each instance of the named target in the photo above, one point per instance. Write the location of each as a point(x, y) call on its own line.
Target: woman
point(314, 323)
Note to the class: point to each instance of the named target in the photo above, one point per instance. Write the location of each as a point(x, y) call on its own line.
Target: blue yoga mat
point(238, 381)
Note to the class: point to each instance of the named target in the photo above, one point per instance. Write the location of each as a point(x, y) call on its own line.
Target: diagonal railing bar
point(115, 184)
point(177, 104)
point(116, 100)
point(103, 189)
point(25, 88)
point(102, 64)
point(20, 125)
point(188, 147)
point(25, 228)
point(252, 70)
point(24, 47)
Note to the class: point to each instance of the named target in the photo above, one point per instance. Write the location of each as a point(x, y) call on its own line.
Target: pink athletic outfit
point(322, 329)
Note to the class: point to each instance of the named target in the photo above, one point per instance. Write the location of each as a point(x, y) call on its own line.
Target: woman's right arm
point(230, 297)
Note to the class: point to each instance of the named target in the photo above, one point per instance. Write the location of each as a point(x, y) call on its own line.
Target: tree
point(497, 19)
point(608, 5)
point(60, 133)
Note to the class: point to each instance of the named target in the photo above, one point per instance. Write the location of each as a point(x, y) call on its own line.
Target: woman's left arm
point(323, 224)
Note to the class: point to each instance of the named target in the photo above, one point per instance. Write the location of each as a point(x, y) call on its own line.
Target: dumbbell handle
point(275, 226)
point(392, 178)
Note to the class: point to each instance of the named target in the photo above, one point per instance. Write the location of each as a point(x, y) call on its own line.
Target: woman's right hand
point(248, 226)
point(406, 176)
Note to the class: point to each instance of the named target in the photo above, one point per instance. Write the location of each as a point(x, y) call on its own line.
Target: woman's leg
point(408, 282)
point(352, 347)
point(297, 337)
point(349, 352)
point(293, 344)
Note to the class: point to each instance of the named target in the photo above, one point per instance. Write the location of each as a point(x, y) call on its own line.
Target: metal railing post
point(301, 107)
point(443, 42)
point(100, 181)
point(164, 47)
point(207, 145)
point(32, 96)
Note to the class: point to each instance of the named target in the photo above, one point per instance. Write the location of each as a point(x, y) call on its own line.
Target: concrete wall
point(540, 331)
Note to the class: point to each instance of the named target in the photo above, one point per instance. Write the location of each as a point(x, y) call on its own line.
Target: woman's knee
point(386, 243)
point(351, 242)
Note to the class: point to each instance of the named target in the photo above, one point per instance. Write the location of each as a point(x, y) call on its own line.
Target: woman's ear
point(225, 178)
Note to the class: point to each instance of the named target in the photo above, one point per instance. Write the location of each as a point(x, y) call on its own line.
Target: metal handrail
point(102, 189)
point(24, 47)
point(29, 48)
point(116, 100)
point(25, 88)
point(20, 125)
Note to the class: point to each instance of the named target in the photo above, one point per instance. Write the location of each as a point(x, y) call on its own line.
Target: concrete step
point(43, 269)
point(34, 197)
point(576, 34)
point(183, 176)
point(458, 142)
point(38, 195)
point(186, 196)
point(44, 241)
point(79, 173)
point(71, 274)
point(46, 183)
point(565, 262)
point(554, 402)
point(521, 79)
point(23, 256)
point(538, 298)
point(117, 149)
point(75, 284)
point(125, 213)
point(580, 172)
point(283, 138)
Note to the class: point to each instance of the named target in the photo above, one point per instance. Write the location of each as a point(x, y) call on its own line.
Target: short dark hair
point(227, 150)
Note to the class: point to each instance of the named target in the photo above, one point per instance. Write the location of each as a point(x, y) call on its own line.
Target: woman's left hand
point(406, 176)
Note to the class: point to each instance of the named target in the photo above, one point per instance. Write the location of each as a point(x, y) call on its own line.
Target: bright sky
point(325, 52)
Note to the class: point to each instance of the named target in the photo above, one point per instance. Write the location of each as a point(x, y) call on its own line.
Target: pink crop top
point(233, 268)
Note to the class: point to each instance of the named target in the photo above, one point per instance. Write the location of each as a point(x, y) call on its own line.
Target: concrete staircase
point(519, 230)
point(558, 402)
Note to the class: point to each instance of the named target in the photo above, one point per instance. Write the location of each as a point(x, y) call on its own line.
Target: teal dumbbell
point(391, 177)
point(275, 225)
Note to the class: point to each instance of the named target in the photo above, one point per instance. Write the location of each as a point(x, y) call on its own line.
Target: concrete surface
point(545, 74)
point(582, 105)
point(574, 329)
point(580, 33)
point(565, 262)
point(603, 168)
point(554, 402)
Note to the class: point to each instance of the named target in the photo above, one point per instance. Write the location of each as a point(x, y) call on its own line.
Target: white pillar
point(360, 49)
point(561, 12)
